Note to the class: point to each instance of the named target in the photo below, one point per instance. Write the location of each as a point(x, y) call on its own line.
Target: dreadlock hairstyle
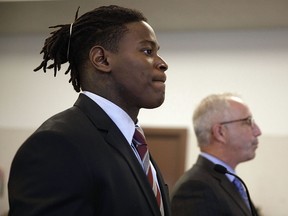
point(71, 43)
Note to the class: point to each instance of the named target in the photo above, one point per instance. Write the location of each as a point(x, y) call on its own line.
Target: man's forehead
point(236, 99)
point(141, 32)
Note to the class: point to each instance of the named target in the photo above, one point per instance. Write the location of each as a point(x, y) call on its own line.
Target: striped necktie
point(139, 142)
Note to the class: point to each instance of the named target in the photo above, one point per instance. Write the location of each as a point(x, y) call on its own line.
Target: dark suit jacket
point(202, 191)
point(79, 163)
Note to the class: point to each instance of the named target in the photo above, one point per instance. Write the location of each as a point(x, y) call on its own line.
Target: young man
point(84, 161)
point(226, 135)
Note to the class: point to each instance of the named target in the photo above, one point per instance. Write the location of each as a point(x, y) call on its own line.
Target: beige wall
point(252, 63)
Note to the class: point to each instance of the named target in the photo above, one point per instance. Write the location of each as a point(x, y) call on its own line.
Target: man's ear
point(218, 132)
point(98, 57)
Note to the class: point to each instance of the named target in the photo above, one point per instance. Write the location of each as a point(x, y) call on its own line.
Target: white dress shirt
point(122, 120)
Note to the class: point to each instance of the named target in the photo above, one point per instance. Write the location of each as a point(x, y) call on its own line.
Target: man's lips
point(159, 79)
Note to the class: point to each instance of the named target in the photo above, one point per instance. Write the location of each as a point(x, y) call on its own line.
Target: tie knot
point(139, 137)
point(139, 142)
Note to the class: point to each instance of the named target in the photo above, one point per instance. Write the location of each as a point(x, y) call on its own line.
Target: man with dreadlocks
point(84, 161)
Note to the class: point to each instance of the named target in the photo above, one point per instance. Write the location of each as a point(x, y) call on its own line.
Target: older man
point(226, 135)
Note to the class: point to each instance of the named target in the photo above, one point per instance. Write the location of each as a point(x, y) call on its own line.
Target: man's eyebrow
point(152, 43)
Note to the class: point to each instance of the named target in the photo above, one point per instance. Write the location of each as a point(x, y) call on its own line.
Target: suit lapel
point(125, 150)
point(225, 184)
point(115, 138)
point(230, 189)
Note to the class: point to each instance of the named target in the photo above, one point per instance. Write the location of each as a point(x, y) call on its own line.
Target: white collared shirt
point(117, 115)
point(121, 119)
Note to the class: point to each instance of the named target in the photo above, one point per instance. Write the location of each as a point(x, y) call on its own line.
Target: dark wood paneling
point(168, 148)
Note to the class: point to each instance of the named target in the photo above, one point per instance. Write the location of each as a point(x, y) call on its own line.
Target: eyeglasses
point(249, 120)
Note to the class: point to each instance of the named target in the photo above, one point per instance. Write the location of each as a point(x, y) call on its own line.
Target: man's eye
point(250, 121)
point(148, 51)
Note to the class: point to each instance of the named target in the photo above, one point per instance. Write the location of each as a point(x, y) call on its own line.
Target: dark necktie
point(139, 142)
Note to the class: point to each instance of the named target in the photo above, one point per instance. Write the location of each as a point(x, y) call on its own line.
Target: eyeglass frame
point(249, 120)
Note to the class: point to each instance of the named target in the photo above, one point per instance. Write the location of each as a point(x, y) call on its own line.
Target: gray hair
point(212, 109)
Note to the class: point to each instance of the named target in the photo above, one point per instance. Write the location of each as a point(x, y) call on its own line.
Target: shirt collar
point(117, 115)
point(218, 161)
